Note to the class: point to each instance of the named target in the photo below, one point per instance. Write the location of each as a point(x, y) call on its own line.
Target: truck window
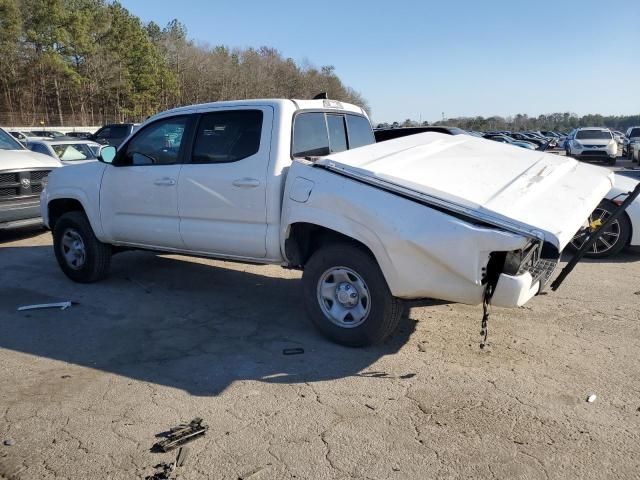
point(310, 137)
point(157, 144)
point(360, 132)
point(227, 136)
point(337, 133)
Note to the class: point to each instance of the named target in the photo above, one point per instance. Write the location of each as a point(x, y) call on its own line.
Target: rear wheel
point(81, 256)
point(347, 296)
point(614, 238)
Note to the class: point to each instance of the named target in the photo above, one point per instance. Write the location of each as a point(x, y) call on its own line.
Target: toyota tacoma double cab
point(23, 175)
point(302, 183)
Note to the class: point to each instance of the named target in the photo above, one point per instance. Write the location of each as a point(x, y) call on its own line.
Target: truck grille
point(21, 184)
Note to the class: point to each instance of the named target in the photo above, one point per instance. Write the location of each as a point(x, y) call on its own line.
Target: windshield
point(7, 142)
point(593, 135)
point(635, 132)
point(76, 151)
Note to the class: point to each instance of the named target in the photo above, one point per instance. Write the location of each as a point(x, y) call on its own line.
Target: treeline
point(88, 62)
point(552, 121)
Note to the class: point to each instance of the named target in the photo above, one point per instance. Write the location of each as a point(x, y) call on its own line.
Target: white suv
point(592, 143)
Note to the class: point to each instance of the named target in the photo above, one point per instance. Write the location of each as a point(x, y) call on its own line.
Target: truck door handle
point(246, 182)
point(165, 182)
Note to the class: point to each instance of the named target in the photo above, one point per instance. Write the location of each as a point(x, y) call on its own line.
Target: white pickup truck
point(301, 183)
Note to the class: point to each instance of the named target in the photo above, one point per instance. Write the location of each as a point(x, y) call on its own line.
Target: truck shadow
point(628, 255)
point(175, 321)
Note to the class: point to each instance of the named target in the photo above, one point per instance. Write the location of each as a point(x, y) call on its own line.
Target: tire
point(81, 256)
point(617, 236)
point(612, 161)
point(355, 322)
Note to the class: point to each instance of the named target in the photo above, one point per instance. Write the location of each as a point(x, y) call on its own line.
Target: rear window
point(227, 136)
point(316, 134)
point(593, 135)
point(360, 133)
point(310, 136)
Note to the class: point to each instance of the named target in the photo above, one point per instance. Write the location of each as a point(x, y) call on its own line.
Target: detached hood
point(536, 191)
point(24, 159)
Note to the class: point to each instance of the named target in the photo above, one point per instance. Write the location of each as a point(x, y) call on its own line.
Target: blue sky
point(417, 59)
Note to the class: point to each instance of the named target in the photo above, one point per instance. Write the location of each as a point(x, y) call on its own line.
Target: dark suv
point(113, 134)
point(383, 134)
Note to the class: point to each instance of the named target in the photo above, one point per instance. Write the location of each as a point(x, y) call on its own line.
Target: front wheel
point(347, 296)
point(612, 240)
point(81, 256)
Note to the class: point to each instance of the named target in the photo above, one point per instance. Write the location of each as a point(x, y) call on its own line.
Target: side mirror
point(107, 154)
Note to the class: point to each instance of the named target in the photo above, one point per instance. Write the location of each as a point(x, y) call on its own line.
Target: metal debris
point(9, 442)
point(591, 398)
point(60, 305)
point(167, 470)
point(182, 434)
point(293, 351)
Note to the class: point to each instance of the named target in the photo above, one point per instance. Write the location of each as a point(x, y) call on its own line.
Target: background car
point(540, 142)
point(592, 143)
point(113, 134)
point(79, 134)
point(383, 134)
point(47, 133)
point(67, 151)
point(23, 175)
point(623, 232)
point(511, 141)
point(632, 137)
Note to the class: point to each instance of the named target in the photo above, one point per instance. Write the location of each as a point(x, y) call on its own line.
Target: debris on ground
point(293, 351)
point(9, 442)
point(60, 305)
point(166, 470)
point(183, 433)
point(591, 398)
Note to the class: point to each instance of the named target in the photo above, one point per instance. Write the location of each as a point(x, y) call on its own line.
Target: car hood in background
point(23, 159)
point(534, 190)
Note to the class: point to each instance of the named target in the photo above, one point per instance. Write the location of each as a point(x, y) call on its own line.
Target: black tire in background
point(383, 309)
point(613, 240)
point(73, 233)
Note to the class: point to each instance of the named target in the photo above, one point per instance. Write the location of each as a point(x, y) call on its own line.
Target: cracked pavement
point(84, 391)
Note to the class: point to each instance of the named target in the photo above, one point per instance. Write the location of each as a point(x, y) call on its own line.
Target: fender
point(80, 183)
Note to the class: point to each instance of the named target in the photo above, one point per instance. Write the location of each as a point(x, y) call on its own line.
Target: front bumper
point(586, 154)
point(19, 213)
point(514, 290)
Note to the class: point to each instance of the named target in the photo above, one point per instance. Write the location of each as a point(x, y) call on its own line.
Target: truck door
point(139, 191)
point(222, 185)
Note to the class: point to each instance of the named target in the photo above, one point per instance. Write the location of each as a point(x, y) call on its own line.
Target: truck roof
point(279, 103)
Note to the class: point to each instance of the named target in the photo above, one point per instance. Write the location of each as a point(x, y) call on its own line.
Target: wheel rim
point(606, 241)
point(344, 297)
point(73, 249)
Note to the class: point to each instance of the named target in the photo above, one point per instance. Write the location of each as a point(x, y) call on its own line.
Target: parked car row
point(111, 134)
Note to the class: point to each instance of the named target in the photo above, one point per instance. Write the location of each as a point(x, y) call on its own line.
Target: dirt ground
point(85, 391)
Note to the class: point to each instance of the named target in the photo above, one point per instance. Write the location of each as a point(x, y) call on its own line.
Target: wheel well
point(305, 238)
point(59, 207)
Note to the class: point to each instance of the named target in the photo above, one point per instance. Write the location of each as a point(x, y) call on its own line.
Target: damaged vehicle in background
point(302, 183)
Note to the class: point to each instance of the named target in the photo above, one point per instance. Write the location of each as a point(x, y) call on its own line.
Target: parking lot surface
point(84, 391)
